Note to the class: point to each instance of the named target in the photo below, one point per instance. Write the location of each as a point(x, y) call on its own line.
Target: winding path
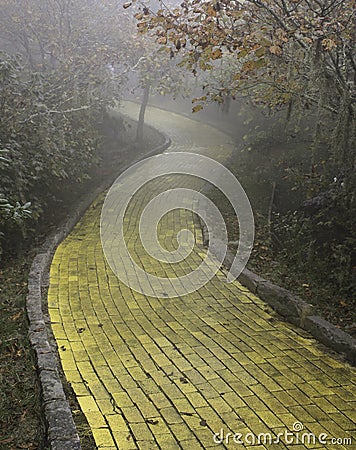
point(168, 373)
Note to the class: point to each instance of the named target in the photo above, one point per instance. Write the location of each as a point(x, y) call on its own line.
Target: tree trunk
point(141, 118)
point(270, 208)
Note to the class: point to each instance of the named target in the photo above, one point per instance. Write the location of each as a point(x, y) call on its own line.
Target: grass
point(21, 417)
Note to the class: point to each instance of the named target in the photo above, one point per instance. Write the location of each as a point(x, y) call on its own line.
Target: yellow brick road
point(168, 373)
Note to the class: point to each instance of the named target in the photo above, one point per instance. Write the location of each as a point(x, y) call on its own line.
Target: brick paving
point(168, 373)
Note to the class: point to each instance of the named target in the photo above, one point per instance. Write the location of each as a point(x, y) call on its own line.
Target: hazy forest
point(277, 75)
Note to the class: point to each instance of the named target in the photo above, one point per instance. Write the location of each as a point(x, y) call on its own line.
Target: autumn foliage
point(297, 58)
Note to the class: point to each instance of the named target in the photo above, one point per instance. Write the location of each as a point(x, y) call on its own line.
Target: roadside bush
point(40, 146)
point(304, 195)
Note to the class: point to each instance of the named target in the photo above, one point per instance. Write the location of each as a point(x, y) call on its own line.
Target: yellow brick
point(117, 423)
point(124, 441)
point(88, 404)
point(95, 419)
point(141, 432)
point(103, 438)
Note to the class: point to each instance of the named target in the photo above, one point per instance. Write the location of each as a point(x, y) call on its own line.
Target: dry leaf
point(197, 108)
point(276, 50)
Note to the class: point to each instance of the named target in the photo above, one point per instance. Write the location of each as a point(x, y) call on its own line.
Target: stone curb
point(61, 433)
point(296, 311)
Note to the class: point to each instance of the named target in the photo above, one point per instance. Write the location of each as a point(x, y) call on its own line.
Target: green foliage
point(40, 145)
point(21, 421)
point(320, 245)
point(56, 82)
point(12, 215)
point(306, 225)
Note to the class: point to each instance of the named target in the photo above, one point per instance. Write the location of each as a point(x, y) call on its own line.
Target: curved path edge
point(61, 430)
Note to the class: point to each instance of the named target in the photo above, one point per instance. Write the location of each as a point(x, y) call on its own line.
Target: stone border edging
point(296, 311)
point(61, 432)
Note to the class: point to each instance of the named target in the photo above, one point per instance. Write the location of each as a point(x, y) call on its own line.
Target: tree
point(52, 95)
point(284, 55)
point(157, 74)
point(285, 52)
point(151, 66)
point(73, 42)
